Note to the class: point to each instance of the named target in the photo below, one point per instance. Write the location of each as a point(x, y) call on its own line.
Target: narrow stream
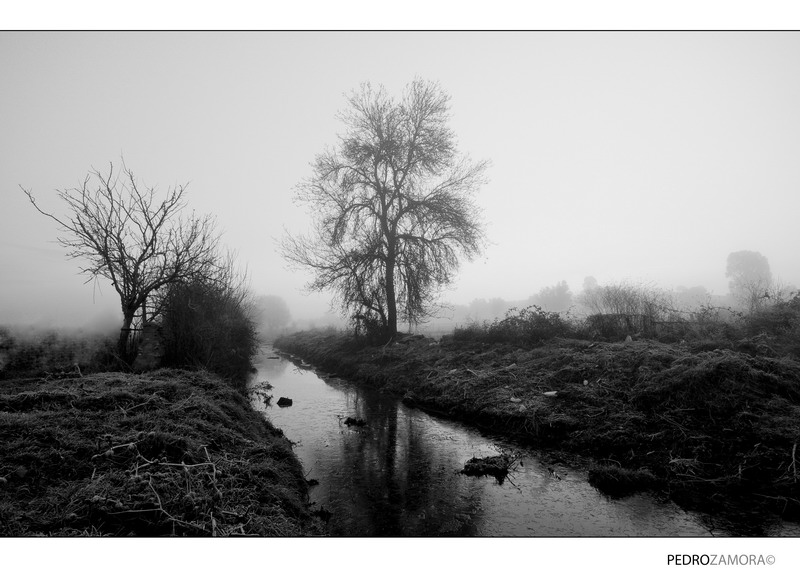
point(399, 474)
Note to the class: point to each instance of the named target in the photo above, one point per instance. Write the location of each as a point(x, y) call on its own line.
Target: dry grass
point(617, 481)
point(164, 453)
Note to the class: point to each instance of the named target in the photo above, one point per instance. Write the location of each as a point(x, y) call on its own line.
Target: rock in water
point(354, 422)
point(497, 466)
point(284, 402)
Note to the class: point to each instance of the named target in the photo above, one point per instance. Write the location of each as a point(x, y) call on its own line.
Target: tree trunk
point(124, 337)
point(391, 300)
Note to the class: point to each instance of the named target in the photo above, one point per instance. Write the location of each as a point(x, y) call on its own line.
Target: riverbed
point(399, 474)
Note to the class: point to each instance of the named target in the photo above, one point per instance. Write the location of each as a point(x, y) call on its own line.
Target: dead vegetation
point(164, 453)
point(716, 428)
point(358, 422)
point(498, 466)
point(617, 481)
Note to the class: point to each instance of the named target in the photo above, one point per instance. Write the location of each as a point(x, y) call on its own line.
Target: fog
point(623, 156)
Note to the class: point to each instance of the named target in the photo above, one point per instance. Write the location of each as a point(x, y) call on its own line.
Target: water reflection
point(397, 480)
point(273, 365)
point(399, 475)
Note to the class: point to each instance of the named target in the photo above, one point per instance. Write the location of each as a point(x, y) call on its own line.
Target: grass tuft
point(618, 482)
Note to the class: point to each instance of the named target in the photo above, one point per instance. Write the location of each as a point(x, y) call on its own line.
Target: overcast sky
point(646, 156)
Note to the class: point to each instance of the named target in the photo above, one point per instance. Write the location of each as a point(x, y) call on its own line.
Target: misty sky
point(646, 156)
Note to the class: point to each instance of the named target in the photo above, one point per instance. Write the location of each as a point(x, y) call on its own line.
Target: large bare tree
point(125, 234)
point(392, 208)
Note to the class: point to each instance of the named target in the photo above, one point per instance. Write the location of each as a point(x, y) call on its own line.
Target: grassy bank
point(164, 453)
point(714, 429)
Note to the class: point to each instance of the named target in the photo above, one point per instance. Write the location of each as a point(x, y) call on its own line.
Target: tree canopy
point(125, 234)
point(393, 209)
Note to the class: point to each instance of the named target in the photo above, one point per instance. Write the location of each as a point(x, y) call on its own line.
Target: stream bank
point(716, 430)
point(394, 470)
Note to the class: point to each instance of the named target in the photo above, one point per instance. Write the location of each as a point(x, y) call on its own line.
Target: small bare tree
point(393, 209)
point(137, 242)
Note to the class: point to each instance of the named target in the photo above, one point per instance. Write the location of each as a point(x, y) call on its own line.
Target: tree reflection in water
point(400, 482)
point(399, 474)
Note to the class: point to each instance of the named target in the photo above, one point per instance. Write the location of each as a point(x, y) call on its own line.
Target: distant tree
point(273, 313)
point(691, 298)
point(392, 208)
point(129, 237)
point(497, 306)
point(590, 299)
point(750, 278)
point(478, 310)
point(554, 298)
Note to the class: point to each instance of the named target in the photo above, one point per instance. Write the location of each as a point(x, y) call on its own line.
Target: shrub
point(612, 325)
point(527, 326)
point(624, 309)
point(777, 325)
point(715, 323)
point(782, 318)
point(207, 324)
point(368, 329)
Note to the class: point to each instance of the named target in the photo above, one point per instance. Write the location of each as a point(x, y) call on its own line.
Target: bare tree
point(393, 209)
point(137, 242)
